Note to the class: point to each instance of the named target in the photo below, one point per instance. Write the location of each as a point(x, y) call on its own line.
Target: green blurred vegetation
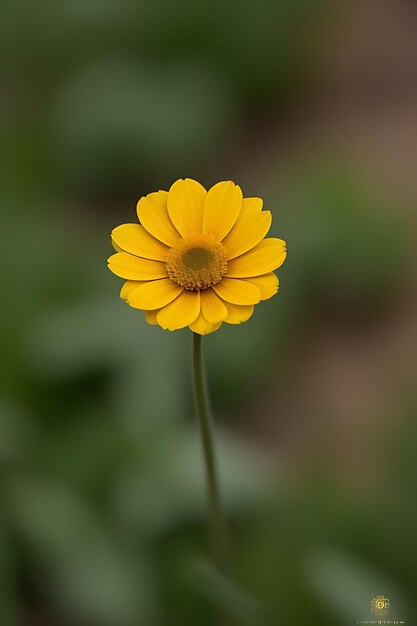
point(102, 517)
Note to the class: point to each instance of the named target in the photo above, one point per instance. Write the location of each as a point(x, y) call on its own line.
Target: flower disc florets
point(197, 262)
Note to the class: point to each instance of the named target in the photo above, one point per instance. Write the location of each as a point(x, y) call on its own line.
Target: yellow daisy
point(198, 258)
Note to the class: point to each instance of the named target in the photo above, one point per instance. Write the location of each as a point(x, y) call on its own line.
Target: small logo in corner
point(380, 605)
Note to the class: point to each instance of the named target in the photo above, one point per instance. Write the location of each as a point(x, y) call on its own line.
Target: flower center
point(197, 262)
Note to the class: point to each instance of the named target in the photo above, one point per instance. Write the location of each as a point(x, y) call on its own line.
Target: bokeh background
point(311, 105)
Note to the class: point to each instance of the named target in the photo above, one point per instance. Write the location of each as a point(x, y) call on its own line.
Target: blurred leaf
point(17, 432)
point(122, 118)
point(345, 241)
point(172, 483)
point(9, 608)
point(227, 595)
point(84, 566)
point(53, 346)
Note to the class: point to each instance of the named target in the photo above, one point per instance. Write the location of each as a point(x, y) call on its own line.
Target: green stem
point(217, 524)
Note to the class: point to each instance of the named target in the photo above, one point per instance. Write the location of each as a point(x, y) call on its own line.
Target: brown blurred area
point(363, 108)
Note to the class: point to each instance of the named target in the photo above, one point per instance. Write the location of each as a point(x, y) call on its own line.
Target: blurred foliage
point(151, 86)
point(103, 507)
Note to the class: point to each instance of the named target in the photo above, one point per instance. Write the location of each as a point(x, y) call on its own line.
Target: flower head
point(197, 258)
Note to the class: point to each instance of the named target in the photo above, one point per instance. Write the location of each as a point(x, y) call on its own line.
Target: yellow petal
point(251, 206)
point(133, 268)
point(237, 291)
point(221, 209)
point(248, 231)
point(185, 206)
point(154, 294)
point(115, 246)
point(202, 327)
point(263, 258)
point(128, 287)
point(213, 309)
point(150, 317)
point(180, 312)
point(237, 314)
point(153, 215)
point(135, 239)
point(267, 283)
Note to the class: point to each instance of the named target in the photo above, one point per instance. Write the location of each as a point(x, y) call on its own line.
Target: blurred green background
point(312, 106)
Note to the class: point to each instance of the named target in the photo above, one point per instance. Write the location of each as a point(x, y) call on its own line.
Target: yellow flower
point(198, 258)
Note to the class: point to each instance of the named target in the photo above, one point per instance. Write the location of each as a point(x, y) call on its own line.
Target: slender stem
point(217, 524)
